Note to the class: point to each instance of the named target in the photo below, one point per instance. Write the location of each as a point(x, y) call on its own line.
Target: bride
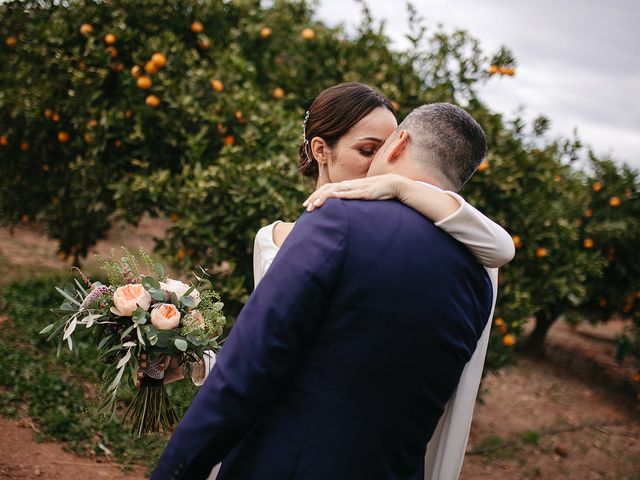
point(344, 128)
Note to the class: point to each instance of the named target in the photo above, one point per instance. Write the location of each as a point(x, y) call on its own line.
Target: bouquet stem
point(151, 410)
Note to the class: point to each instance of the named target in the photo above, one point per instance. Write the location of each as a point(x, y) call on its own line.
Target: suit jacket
point(341, 362)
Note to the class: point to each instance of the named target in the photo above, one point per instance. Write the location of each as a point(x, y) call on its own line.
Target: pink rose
point(165, 317)
point(128, 298)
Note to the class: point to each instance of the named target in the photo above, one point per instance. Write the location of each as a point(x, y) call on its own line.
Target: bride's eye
point(365, 152)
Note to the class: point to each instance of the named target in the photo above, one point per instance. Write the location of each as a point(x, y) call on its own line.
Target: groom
point(340, 364)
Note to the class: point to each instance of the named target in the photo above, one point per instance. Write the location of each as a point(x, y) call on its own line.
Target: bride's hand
point(173, 370)
point(380, 187)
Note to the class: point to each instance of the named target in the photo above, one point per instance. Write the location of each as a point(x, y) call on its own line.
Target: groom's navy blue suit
point(340, 364)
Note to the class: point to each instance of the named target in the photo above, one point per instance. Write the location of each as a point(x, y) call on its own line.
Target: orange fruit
point(517, 241)
point(498, 322)
point(117, 67)
point(508, 71)
point(152, 101)
point(557, 178)
point(24, 218)
point(588, 243)
point(88, 137)
point(229, 140)
point(508, 340)
point(11, 42)
point(45, 167)
point(144, 83)
point(614, 201)
point(92, 123)
point(308, 34)
point(150, 67)
point(493, 69)
point(63, 137)
point(113, 51)
point(86, 29)
point(174, 217)
point(110, 39)
point(136, 71)
point(159, 59)
point(118, 143)
point(588, 213)
point(541, 252)
point(55, 117)
point(278, 93)
point(217, 86)
point(636, 377)
point(484, 166)
point(181, 254)
point(24, 146)
point(48, 112)
point(239, 115)
point(197, 27)
point(265, 32)
point(597, 186)
point(204, 43)
point(4, 141)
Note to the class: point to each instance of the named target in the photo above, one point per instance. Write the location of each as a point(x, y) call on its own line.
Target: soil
point(572, 415)
point(23, 458)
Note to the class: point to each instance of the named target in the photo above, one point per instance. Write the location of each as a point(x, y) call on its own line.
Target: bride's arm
point(489, 242)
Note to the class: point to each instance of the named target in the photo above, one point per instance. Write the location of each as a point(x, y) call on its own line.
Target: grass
point(59, 393)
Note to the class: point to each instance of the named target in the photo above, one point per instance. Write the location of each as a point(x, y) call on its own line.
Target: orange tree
point(123, 108)
point(611, 226)
point(532, 188)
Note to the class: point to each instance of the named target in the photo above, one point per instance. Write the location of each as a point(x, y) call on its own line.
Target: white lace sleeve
point(264, 251)
point(489, 242)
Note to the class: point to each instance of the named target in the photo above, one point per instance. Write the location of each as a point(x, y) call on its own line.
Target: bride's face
point(353, 153)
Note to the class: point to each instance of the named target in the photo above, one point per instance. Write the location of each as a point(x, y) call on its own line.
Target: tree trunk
point(534, 344)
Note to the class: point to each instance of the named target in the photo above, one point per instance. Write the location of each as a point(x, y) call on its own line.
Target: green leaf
point(188, 301)
point(159, 270)
point(47, 329)
point(181, 344)
point(67, 296)
point(159, 295)
point(150, 282)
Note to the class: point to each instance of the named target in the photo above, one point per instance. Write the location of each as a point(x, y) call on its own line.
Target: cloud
point(577, 59)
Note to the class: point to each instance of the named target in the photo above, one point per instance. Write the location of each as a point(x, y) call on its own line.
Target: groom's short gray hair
point(448, 142)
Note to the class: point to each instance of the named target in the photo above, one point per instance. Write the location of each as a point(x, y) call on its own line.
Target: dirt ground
point(570, 416)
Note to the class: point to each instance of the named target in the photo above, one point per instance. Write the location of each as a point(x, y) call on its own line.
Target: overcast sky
point(578, 60)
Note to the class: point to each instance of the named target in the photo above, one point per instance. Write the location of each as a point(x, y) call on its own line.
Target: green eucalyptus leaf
point(181, 344)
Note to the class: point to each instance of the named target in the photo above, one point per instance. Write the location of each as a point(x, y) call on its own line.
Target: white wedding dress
point(493, 247)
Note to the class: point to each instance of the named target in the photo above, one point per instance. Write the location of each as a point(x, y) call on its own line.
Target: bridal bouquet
point(140, 313)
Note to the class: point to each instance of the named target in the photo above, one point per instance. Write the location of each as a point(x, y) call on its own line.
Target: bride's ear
point(320, 150)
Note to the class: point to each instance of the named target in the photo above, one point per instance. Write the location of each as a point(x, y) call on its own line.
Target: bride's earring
point(321, 169)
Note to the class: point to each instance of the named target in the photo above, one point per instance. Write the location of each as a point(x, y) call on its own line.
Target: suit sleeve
point(489, 242)
point(270, 336)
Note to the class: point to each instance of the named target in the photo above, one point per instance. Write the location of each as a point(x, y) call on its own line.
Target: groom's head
point(437, 142)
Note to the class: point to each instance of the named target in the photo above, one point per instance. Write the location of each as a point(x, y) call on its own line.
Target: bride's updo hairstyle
point(332, 114)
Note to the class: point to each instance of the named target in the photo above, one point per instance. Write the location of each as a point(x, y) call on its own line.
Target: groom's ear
point(398, 147)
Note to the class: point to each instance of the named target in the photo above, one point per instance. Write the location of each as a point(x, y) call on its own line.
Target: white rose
point(165, 316)
point(180, 288)
point(128, 298)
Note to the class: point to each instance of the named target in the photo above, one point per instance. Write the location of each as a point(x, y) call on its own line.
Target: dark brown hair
point(333, 113)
